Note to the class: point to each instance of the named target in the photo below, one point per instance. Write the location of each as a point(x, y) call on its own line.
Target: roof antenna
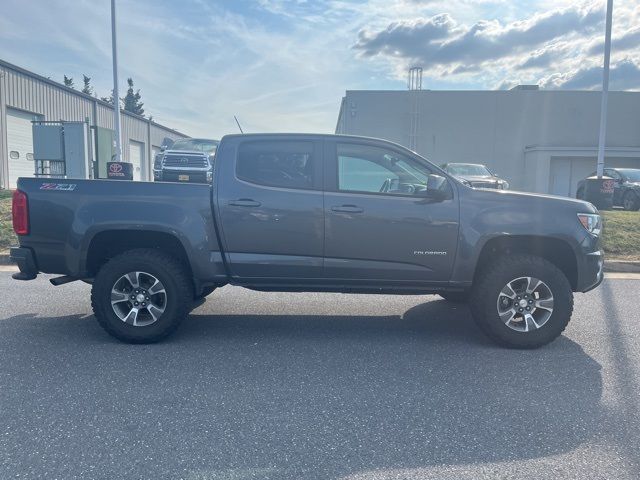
point(238, 123)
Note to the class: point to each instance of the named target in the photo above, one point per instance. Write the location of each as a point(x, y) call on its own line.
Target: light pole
point(116, 95)
point(605, 89)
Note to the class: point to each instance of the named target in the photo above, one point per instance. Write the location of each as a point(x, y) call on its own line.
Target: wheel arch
point(555, 250)
point(108, 243)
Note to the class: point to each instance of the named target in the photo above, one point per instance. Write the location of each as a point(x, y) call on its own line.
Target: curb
point(617, 266)
point(622, 266)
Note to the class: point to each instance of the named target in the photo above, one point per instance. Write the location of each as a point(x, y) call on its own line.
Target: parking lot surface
point(316, 386)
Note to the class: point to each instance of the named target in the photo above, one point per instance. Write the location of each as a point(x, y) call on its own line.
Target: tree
point(132, 101)
point(68, 82)
point(88, 89)
point(108, 99)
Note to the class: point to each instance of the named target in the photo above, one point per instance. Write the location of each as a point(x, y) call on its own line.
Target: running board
point(56, 282)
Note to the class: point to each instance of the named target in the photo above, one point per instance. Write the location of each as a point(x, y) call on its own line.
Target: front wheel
point(141, 296)
point(522, 301)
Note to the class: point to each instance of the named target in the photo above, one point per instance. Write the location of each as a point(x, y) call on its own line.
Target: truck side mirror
point(437, 188)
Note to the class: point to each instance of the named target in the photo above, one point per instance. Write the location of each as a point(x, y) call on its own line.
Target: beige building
point(26, 96)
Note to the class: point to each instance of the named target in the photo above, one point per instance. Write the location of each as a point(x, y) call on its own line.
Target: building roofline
point(24, 71)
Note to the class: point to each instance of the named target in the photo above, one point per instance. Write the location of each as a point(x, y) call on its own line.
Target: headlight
point(592, 222)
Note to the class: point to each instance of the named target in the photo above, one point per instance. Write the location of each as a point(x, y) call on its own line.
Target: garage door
point(136, 156)
point(19, 145)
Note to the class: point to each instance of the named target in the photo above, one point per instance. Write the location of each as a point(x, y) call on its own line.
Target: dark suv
point(626, 189)
point(187, 160)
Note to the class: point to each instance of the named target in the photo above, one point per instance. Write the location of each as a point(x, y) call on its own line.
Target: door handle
point(244, 202)
point(347, 209)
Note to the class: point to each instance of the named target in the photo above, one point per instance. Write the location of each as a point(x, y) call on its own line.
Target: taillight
point(20, 213)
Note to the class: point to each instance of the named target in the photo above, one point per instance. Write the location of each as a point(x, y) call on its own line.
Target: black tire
point(631, 201)
point(490, 282)
point(455, 297)
point(165, 268)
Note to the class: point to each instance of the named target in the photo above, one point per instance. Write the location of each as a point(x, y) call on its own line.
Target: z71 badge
point(66, 187)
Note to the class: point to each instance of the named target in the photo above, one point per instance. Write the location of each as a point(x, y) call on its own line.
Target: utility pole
point(116, 95)
point(605, 89)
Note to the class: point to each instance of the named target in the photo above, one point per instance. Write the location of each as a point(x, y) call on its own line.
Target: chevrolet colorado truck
point(303, 213)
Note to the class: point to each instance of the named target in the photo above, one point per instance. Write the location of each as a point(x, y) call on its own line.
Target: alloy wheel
point(525, 304)
point(138, 298)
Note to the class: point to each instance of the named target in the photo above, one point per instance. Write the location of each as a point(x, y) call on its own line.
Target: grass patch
point(7, 237)
point(621, 238)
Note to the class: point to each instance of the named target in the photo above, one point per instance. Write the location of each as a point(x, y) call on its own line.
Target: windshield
point(208, 146)
point(468, 169)
point(632, 174)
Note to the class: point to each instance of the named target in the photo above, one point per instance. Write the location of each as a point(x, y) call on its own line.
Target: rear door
point(270, 205)
point(379, 226)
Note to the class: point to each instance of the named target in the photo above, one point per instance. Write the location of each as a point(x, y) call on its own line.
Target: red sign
point(607, 186)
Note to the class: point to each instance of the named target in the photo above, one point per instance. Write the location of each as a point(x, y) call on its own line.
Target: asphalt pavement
point(316, 386)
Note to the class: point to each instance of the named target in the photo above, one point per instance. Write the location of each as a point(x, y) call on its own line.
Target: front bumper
point(26, 262)
point(590, 271)
point(194, 176)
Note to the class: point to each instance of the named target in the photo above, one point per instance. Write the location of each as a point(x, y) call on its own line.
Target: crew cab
point(311, 213)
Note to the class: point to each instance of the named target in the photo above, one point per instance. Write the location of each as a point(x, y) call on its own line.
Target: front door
point(269, 195)
point(380, 227)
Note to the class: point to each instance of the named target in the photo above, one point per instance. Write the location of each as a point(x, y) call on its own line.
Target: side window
point(364, 168)
point(276, 164)
point(613, 174)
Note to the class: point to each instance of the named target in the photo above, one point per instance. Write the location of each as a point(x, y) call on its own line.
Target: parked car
point(626, 189)
point(311, 213)
point(475, 175)
point(187, 160)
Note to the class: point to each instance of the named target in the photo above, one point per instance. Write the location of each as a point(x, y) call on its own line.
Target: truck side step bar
point(56, 282)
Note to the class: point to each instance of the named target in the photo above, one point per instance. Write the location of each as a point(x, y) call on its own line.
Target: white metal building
point(539, 140)
point(25, 96)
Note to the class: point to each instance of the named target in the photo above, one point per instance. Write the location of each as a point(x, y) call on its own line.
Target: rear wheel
point(522, 301)
point(141, 296)
point(631, 201)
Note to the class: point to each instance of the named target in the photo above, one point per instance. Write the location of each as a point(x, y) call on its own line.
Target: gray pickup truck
point(301, 213)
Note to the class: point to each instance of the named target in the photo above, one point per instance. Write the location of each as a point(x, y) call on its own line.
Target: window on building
point(276, 164)
point(14, 155)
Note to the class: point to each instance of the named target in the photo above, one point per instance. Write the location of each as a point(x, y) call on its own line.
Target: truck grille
point(185, 161)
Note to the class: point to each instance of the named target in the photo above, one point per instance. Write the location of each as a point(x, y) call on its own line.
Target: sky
point(284, 65)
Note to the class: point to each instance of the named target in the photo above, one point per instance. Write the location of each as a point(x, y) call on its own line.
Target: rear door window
point(277, 164)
